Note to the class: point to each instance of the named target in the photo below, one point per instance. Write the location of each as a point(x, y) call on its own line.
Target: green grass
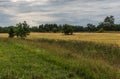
point(57, 59)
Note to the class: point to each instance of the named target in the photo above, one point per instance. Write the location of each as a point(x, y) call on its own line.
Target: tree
point(11, 32)
point(91, 27)
point(109, 19)
point(54, 30)
point(67, 29)
point(78, 28)
point(22, 29)
point(117, 27)
point(108, 24)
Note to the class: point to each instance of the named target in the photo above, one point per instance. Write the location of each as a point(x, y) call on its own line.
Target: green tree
point(109, 19)
point(67, 29)
point(54, 30)
point(107, 24)
point(101, 30)
point(11, 32)
point(22, 30)
point(91, 27)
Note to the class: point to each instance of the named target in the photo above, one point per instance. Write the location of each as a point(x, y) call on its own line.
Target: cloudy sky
point(77, 12)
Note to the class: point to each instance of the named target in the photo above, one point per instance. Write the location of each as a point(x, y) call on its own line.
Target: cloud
point(76, 12)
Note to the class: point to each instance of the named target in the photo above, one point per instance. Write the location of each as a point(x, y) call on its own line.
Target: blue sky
point(77, 12)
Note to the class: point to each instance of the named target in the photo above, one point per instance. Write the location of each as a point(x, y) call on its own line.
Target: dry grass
point(3, 35)
point(39, 59)
point(111, 38)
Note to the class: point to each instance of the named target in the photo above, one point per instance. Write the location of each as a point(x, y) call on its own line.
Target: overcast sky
point(78, 12)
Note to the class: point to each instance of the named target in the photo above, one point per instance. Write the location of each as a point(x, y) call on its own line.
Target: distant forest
point(107, 25)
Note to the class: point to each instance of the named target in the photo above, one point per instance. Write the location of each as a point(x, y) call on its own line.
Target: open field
point(112, 38)
point(49, 59)
point(70, 57)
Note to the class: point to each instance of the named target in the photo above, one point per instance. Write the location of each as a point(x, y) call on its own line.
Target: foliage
point(109, 19)
point(22, 30)
point(54, 30)
point(91, 27)
point(101, 30)
point(108, 24)
point(67, 29)
point(4, 29)
point(11, 32)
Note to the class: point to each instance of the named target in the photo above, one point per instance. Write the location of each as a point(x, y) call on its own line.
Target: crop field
point(112, 38)
point(78, 56)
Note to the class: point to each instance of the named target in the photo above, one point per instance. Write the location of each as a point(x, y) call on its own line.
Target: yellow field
point(112, 38)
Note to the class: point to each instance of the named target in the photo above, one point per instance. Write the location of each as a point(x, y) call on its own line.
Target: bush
point(67, 29)
point(22, 30)
point(11, 32)
point(54, 30)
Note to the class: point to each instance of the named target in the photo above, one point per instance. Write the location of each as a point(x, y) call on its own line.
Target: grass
point(108, 52)
point(109, 38)
point(56, 56)
point(51, 59)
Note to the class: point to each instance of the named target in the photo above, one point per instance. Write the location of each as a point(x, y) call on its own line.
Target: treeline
point(4, 29)
point(59, 28)
point(107, 25)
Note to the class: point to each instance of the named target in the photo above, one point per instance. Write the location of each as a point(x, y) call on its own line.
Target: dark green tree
point(54, 30)
point(22, 30)
point(67, 29)
point(107, 24)
point(11, 32)
point(91, 27)
point(109, 19)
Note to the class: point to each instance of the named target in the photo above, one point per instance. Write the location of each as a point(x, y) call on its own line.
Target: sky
point(76, 12)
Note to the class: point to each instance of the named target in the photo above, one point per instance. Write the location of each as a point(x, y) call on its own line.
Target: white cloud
point(22, 0)
point(58, 11)
point(33, 17)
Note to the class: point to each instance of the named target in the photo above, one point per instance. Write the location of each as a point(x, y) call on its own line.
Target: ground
point(112, 38)
point(49, 58)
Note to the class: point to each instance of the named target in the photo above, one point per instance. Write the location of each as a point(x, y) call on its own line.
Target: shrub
point(67, 29)
point(22, 30)
point(11, 32)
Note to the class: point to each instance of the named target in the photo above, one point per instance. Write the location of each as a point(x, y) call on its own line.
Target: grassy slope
point(44, 59)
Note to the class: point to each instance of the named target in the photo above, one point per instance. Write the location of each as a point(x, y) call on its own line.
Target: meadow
point(111, 38)
point(56, 56)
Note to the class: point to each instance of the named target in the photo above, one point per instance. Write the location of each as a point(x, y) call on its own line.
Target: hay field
point(109, 38)
point(112, 38)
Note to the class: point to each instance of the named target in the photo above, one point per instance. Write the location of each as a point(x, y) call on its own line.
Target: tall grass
point(57, 59)
point(107, 52)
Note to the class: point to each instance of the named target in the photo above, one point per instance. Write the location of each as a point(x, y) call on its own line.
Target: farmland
point(112, 38)
point(56, 56)
point(109, 38)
